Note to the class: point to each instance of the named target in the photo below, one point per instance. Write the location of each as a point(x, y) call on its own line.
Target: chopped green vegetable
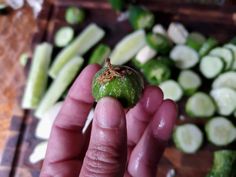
point(225, 99)
point(37, 79)
point(74, 15)
point(159, 42)
point(211, 66)
point(188, 138)
point(63, 36)
point(195, 40)
point(233, 48)
point(120, 82)
point(171, 90)
point(200, 105)
point(100, 54)
point(117, 5)
point(209, 44)
point(145, 54)
point(24, 57)
point(156, 71)
point(184, 56)
point(224, 164)
point(87, 38)
point(189, 81)
point(220, 131)
point(59, 85)
point(224, 53)
point(177, 33)
point(128, 47)
point(227, 79)
point(140, 17)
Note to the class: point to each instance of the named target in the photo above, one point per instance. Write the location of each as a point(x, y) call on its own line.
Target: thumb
point(106, 154)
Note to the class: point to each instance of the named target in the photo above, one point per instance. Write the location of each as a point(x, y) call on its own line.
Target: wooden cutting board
point(216, 21)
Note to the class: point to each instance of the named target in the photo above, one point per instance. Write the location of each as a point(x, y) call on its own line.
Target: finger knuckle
point(103, 160)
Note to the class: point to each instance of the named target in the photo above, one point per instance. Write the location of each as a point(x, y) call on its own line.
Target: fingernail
point(109, 113)
point(164, 120)
point(152, 98)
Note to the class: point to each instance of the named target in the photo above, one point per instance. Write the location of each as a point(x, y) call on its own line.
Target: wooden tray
point(217, 21)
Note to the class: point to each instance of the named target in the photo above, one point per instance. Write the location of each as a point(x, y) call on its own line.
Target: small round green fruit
point(120, 82)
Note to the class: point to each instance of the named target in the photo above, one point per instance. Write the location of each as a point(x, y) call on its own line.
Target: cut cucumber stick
point(184, 56)
point(88, 38)
point(59, 85)
point(128, 47)
point(220, 131)
point(37, 79)
point(200, 105)
point(188, 138)
point(224, 53)
point(227, 79)
point(100, 54)
point(225, 99)
point(189, 81)
point(211, 66)
point(171, 90)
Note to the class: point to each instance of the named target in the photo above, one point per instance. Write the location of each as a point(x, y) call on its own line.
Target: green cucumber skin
point(75, 48)
point(74, 15)
point(59, 85)
point(159, 42)
point(137, 14)
point(117, 5)
point(207, 46)
point(100, 54)
point(195, 40)
point(37, 79)
point(156, 66)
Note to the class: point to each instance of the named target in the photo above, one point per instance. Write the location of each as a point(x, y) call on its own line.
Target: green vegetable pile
point(190, 68)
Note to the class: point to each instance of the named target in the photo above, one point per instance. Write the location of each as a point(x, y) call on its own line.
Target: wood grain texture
point(213, 20)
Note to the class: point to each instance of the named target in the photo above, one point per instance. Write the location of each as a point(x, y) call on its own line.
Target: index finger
point(66, 140)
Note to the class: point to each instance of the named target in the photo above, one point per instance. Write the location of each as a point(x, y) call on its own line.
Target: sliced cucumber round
point(233, 48)
point(177, 33)
point(211, 66)
point(225, 54)
point(189, 81)
point(184, 56)
point(64, 36)
point(128, 47)
point(145, 54)
point(200, 105)
point(209, 44)
point(188, 138)
point(195, 40)
point(227, 79)
point(225, 99)
point(171, 90)
point(220, 131)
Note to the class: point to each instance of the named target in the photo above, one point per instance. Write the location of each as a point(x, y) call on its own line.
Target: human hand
point(118, 144)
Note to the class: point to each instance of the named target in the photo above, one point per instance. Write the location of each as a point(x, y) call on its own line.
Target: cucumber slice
point(145, 54)
point(227, 79)
point(200, 105)
point(225, 54)
point(140, 17)
point(59, 85)
point(189, 81)
point(233, 48)
point(63, 36)
point(225, 99)
point(171, 90)
point(209, 44)
point(128, 47)
point(211, 66)
point(159, 29)
point(74, 15)
point(159, 42)
point(177, 33)
point(184, 56)
point(188, 138)
point(220, 131)
point(100, 54)
point(37, 79)
point(195, 40)
point(87, 38)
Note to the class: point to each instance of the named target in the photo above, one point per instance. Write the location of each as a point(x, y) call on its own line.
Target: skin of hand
point(118, 144)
